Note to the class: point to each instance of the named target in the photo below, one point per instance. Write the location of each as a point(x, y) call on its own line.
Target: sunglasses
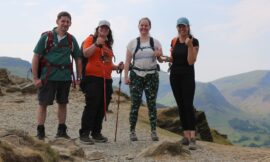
point(104, 27)
point(181, 26)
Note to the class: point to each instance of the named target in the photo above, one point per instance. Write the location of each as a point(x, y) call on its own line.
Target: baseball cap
point(183, 21)
point(104, 22)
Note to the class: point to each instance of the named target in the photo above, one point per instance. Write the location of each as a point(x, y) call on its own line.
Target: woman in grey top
point(141, 60)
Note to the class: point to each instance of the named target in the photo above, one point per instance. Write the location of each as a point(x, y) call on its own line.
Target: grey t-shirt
point(144, 58)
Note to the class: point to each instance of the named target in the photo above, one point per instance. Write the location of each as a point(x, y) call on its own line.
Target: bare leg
point(192, 134)
point(187, 134)
point(62, 113)
point(41, 114)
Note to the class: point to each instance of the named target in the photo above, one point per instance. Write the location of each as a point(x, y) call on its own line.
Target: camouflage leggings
point(148, 84)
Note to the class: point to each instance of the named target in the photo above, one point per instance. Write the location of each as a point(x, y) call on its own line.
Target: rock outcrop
point(1, 93)
point(4, 79)
point(164, 148)
point(11, 84)
point(17, 146)
point(169, 119)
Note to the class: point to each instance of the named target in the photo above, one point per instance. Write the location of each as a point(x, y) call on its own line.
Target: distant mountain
point(218, 110)
point(16, 66)
point(248, 91)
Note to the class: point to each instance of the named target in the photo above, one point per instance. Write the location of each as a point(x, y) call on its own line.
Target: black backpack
point(84, 63)
point(131, 66)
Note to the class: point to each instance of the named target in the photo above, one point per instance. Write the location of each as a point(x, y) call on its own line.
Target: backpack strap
point(49, 42)
point(49, 45)
point(173, 43)
point(136, 50)
point(70, 43)
point(138, 46)
point(152, 43)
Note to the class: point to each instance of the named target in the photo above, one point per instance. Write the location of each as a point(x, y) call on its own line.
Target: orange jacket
point(100, 63)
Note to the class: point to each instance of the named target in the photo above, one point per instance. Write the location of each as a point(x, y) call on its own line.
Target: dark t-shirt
point(179, 53)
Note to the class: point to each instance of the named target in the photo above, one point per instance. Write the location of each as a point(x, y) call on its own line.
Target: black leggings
point(183, 87)
point(93, 114)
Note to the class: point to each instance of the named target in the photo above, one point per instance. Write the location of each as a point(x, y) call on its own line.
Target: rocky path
point(18, 112)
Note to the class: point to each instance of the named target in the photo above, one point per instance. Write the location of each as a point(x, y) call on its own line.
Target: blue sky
point(233, 34)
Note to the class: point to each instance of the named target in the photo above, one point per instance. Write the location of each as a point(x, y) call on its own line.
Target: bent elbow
point(191, 62)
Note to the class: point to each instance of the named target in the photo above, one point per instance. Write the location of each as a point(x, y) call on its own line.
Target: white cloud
point(29, 3)
point(24, 50)
point(86, 20)
point(248, 20)
point(138, 1)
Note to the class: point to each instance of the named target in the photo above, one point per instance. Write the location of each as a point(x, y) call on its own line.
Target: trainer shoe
point(133, 136)
point(154, 136)
point(192, 144)
point(99, 138)
point(185, 141)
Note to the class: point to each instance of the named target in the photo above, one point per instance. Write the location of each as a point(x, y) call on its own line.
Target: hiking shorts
point(58, 90)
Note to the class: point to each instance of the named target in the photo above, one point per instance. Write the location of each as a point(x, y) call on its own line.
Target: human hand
point(165, 58)
point(121, 66)
point(77, 82)
point(100, 41)
point(189, 41)
point(127, 80)
point(37, 83)
point(158, 52)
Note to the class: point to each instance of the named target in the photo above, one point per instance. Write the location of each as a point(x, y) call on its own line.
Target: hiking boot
point(185, 141)
point(133, 136)
point(86, 140)
point(62, 131)
point(154, 136)
point(99, 138)
point(84, 137)
point(192, 144)
point(40, 132)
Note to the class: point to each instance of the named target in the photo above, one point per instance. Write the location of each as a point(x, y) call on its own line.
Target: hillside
point(16, 66)
point(248, 91)
point(218, 110)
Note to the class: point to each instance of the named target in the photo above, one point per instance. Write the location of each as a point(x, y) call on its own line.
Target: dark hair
point(147, 19)
point(63, 14)
point(109, 41)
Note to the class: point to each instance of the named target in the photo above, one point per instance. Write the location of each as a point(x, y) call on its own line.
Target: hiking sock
point(40, 132)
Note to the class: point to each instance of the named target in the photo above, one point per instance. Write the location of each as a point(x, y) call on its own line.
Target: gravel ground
point(19, 112)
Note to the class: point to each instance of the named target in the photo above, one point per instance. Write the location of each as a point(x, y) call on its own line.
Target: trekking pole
point(118, 103)
point(104, 86)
